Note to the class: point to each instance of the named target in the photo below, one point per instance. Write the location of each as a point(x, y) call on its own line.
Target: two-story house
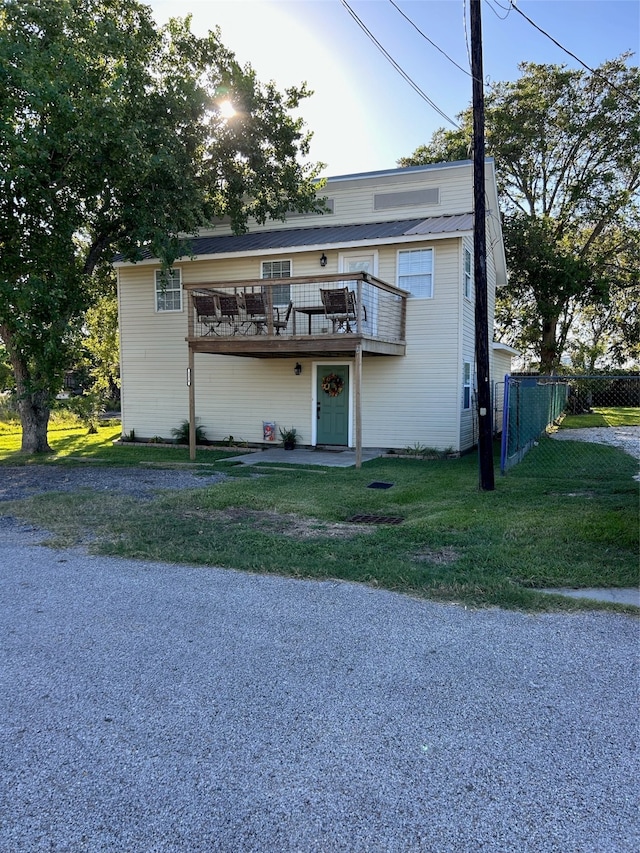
point(355, 326)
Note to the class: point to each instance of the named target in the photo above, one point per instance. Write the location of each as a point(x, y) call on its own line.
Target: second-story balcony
point(306, 315)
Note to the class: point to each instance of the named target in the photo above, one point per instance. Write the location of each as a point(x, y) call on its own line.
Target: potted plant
point(289, 438)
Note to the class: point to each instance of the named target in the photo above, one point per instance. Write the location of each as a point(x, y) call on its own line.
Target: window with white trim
point(466, 385)
point(281, 293)
point(467, 274)
point(415, 272)
point(168, 290)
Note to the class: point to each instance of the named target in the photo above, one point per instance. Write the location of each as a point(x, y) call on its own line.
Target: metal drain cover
point(378, 485)
point(376, 519)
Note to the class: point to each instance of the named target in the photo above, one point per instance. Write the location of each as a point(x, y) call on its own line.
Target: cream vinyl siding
point(353, 199)
point(241, 269)
point(491, 291)
point(235, 395)
point(153, 355)
point(501, 367)
point(413, 399)
point(468, 434)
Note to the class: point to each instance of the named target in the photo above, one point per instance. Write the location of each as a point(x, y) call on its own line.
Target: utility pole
point(485, 427)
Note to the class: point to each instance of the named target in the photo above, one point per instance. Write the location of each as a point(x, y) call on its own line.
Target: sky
point(364, 116)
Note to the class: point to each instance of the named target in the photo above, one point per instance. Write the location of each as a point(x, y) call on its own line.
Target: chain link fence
point(564, 407)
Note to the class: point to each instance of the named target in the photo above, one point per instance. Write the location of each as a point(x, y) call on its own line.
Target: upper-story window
point(415, 272)
point(168, 290)
point(467, 274)
point(281, 293)
point(466, 385)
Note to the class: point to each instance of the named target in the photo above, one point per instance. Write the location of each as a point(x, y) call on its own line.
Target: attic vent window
point(328, 203)
point(406, 198)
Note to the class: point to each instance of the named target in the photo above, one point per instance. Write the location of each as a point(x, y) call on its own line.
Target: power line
point(466, 34)
point(506, 9)
point(424, 36)
point(569, 53)
point(398, 68)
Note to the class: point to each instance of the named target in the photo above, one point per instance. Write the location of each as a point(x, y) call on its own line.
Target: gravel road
point(147, 707)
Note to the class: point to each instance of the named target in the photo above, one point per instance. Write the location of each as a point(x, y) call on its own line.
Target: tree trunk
point(549, 345)
point(34, 416)
point(33, 405)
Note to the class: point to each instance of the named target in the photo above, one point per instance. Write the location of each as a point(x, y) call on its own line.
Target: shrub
point(87, 408)
point(181, 433)
point(289, 438)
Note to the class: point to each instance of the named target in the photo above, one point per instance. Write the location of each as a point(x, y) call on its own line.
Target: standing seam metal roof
point(286, 238)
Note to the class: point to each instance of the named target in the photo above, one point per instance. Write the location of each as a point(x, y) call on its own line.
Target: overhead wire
point(396, 65)
point(506, 9)
point(426, 37)
point(572, 55)
point(466, 34)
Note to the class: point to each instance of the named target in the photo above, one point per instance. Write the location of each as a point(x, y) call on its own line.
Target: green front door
point(332, 404)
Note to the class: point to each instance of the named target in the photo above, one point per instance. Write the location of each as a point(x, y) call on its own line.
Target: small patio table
point(310, 311)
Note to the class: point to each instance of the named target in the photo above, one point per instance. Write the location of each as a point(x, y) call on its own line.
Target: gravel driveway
point(627, 438)
point(24, 481)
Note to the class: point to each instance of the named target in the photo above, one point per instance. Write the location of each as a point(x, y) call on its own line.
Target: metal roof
point(443, 224)
point(328, 234)
point(324, 235)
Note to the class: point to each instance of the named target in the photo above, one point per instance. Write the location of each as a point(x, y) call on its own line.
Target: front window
point(415, 272)
point(281, 293)
point(468, 275)
point(168, 290)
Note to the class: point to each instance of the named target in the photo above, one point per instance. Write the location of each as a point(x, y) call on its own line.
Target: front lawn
point(619, 416)
point(551, 522)
point(71, 444)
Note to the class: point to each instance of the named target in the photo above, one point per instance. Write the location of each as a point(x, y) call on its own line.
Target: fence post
point(505, 424)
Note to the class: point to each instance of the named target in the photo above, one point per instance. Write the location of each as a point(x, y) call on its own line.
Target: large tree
point(112, 140)
point(567, 150)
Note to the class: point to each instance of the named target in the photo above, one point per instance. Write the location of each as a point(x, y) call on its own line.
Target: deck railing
point(355, 304)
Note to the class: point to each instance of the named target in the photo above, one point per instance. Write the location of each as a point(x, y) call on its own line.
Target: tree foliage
point(567, 150)
point(112, 140)
point(101, 343)
point(6, 373)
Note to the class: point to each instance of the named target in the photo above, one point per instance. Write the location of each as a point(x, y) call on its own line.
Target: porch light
point(297, 369)
point(323, 260)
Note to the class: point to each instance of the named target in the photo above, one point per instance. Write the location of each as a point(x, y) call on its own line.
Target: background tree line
point(567, 149)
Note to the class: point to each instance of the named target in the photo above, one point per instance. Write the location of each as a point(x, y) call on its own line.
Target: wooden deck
point(293, 317)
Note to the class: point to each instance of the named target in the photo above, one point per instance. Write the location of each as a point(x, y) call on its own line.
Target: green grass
point(553, 521)
point(604, 417)
point(70, 443)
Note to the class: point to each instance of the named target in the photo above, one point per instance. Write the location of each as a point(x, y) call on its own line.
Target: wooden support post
point(268, 294)
point(192, 405)
point(358, 404)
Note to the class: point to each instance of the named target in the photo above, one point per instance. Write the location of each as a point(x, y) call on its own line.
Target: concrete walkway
point(616, 595)
point(306, 457)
